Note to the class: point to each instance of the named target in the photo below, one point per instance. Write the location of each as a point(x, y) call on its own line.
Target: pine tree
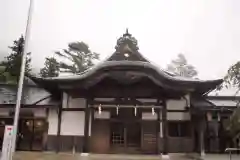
point(78, 57)
point(181, 67)
point(12, 63)
point(51, 68)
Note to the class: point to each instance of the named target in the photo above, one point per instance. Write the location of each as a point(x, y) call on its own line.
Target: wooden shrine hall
point(125, 104)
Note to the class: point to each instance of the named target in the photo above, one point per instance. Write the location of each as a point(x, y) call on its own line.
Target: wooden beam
point(175, 110)
point(127, 121)
point(126, 102)
point(143, 109)
point(73, 109)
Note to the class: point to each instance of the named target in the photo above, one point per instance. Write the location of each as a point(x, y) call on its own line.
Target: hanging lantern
point(153, 111)
point(117, 109)
point(99, 109)
point(135, 111)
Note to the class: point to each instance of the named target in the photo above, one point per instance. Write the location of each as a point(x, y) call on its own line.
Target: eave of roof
point(110, 65)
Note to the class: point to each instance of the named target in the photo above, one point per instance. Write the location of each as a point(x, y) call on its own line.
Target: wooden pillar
point(92, 117)
point(91, 142)
point(86, 128)
point(165, 128)
point(158, 131)
point(201, 136)
point(58, 142)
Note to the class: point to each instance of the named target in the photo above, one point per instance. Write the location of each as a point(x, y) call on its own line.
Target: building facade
point(124, 104)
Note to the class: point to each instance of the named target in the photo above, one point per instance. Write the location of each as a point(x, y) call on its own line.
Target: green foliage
point(51, 68)
point(232, 79)
point(233, 76)
point(12, 63)
point(5, 77)
point(78, 56)
point(180, 67)
point(232, 125)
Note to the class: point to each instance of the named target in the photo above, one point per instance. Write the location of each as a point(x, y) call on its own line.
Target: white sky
point(206, 31)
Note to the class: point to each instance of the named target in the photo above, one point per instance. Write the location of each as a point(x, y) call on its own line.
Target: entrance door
point(25, 134)
point(133, 135)
point(149, 137)
point(30, 134)
point(38, 134)
point(100, 136)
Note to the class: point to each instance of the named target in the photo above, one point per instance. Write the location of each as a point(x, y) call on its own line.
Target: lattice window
point(117, 138)
point(117, 134)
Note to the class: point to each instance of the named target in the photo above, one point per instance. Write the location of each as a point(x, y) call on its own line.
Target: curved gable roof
point(127, 58)
point(159, 76)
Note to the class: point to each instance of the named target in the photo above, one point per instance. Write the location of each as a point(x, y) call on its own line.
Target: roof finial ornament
point(127, 33)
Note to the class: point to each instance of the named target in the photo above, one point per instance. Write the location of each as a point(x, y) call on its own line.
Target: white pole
point(21, 78)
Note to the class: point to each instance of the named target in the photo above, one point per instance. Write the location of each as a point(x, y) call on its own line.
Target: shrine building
point(125, 104)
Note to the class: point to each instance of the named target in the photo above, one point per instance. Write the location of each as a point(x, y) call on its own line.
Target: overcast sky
point(206, 31)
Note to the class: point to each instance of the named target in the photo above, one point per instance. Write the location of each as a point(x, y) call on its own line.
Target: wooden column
point(91, 141)
point(158, 131)
point(86, 128)
point(92, 118)
point(165, 128)
point(58, 142)
point(201, 136)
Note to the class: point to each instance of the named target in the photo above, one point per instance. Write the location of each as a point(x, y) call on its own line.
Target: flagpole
point(21, 78)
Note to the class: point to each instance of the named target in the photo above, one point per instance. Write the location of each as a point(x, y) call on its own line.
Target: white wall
point(69, 102)
point(76, 103)
point(149, 116)
point(72, 123)
point(178, 116)
point(52, 122)
point(103, 115)
point(178, 104)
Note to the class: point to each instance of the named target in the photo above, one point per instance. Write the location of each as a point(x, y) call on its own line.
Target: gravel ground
point(66, 156)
